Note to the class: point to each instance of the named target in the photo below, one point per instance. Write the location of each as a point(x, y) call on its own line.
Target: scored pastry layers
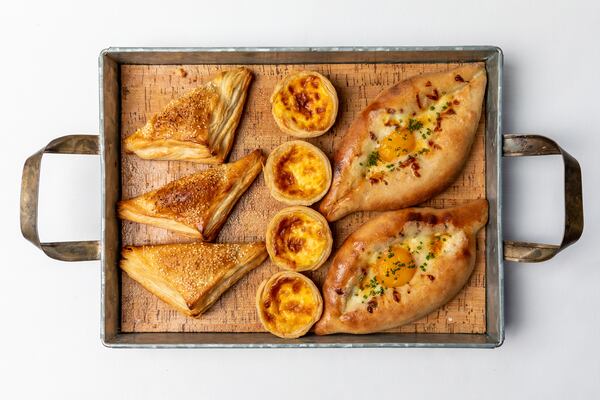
point(196, 205)
point(191, 277)
point(199, 126)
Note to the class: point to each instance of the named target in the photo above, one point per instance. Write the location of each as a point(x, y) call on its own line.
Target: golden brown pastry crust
point(304, 104)
point(191, 277)
point(297, 173)
point(196, 205)
point(299, 239)
point(433, 284)
point(438, 112)
point(199, 126)
point(288, 304)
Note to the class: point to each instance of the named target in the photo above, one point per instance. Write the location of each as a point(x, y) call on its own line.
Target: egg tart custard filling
point(304, 104)
point(299, 239)
point(298, 173)
point(288, 304)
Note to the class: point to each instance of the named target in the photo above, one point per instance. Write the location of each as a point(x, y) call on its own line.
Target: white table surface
point(49, 334)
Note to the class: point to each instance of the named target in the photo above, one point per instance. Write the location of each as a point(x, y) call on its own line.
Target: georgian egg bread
point(408, 144)
point(399, 267)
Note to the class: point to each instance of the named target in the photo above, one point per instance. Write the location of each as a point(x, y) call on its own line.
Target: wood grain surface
point(146, 89)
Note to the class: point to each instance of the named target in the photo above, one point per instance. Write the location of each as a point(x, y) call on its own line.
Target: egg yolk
point(394, 267)
point(396, 144)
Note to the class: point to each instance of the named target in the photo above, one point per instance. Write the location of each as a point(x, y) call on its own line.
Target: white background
point(50, 313)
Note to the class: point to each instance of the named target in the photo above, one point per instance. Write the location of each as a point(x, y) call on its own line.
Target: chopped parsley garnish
point(414, 125)
point(372, 158)
point(429, 256)
point(375, 287)
point(373, 282)
point(432, 108)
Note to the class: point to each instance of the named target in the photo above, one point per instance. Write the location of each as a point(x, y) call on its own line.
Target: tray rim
point(110, 58)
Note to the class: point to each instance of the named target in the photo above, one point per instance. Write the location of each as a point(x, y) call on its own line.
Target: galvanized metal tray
point(107, 144)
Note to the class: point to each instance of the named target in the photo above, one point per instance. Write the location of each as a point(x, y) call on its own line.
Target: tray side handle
point(30, 185)
point(535, 145)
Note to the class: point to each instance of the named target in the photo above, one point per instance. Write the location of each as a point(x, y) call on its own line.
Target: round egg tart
point(304, 104)
point(298, 173)
point(288, 304)
point(299, 239)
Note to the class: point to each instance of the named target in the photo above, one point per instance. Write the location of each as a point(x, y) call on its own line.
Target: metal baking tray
point(107, 145)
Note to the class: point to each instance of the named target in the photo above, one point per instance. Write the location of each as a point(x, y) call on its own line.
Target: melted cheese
point(390, 267)
point(300, 241)
point(300, 173)
point(304, 103)
point(290, 305)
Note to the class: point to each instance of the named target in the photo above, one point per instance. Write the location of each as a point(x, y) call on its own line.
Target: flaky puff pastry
point(288, 304)
point(297, 173)
point(304, 104)
point(199, 126)
point(399, 267)
point(196, 205)
point(191, 277)
point(298, 239)
point(408, 144)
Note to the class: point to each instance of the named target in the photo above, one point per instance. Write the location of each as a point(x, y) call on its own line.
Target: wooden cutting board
point(146, 89)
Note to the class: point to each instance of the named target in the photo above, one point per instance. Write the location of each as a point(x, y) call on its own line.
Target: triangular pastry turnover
point(191, 277)
point(199, 126)
point(196, 205)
